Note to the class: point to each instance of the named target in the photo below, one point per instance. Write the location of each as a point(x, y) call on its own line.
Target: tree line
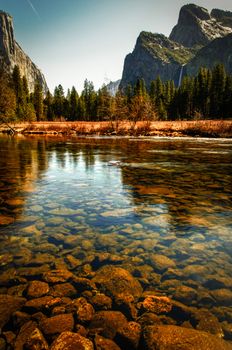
point(206, 96)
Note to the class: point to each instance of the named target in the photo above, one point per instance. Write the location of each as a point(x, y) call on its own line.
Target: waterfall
point(181, 74)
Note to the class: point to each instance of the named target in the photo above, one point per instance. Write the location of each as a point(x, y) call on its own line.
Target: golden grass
point(201, 128)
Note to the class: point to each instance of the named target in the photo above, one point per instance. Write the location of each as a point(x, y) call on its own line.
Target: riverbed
point(160, 208)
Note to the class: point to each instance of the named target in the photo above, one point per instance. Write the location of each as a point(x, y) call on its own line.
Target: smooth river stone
point(66, 212)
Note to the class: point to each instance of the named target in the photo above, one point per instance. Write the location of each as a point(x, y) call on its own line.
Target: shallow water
point(163, 210)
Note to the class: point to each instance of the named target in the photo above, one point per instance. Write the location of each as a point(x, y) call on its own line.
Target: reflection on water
point(164, 211)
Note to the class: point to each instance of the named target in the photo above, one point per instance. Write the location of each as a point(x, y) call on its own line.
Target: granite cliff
point(11, 54)
point(199, 39)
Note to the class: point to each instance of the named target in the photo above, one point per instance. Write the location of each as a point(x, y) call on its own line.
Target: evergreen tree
point(38, 101)
point(58, 101)
point(90, 99)
point(217, 91)
point(48, 106)
point(73, 103)
point(105, 108)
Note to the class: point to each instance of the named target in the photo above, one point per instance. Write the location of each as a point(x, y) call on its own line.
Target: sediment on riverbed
point(201, 128)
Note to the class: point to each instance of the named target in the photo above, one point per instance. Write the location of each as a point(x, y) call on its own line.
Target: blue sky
point(71, 40)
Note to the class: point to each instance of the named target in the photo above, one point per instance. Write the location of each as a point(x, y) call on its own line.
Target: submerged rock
point(107, 323)
point(57, 276)
point(174, 337)
point(57, 324)
point(105, 344)
point(36, 341)
point(8, 305)
point(128, 337)
point(157, 304)
point(37, 289)
point(162, 262)
point(114, 281)
point(71, 341)
point(24, 334)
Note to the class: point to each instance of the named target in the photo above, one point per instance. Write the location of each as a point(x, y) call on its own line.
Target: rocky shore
point(102, 309)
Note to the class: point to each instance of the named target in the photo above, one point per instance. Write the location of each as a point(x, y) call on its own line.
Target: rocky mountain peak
point(11, 54)
point(223, 17)
point(196, 27)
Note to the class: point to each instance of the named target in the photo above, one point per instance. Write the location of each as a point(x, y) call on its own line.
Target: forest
point(206, 96)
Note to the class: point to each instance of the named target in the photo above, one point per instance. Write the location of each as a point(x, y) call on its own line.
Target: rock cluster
point(107, 309)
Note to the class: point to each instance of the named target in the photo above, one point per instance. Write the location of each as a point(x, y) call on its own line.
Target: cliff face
point(199, 39)
point(218, 51)
point(153, 55)
point(11, 54)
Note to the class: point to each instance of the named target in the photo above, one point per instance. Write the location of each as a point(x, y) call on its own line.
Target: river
point(161, 208)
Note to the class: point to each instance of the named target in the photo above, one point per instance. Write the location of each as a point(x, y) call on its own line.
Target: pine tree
point(58, 101)
point(73, 103)
point(38, 101)
point(90, 99)
point(217, 91)
point(48, 106)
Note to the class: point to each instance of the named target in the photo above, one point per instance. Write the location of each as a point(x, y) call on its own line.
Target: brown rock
point(43, 303)
point(83, 284)
point(85, 311)
point(162, 262)
point(206, 321)
point(185, 294)
point(156, 304)
point(24, 334)
point(57, 324)
point(125, 304)
point(8, 305)
point(222, 296)
point(63, 290)
point(115, 280)
point(107, 323)
point(72, 261)
point(71, 341)
point(128, 337)
point(101, 302)
point(105, 344)
point(17, 290)
point(20, 318)
point(36, 341)
point(33, 272)
point(80, 329)
point(57, 276)
point(174, 337)
point(149, 319)
point(37, 289)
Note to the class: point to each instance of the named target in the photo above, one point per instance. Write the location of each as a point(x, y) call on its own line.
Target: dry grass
point(202, 128)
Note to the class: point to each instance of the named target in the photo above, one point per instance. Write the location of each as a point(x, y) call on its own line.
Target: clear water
point(132, 198)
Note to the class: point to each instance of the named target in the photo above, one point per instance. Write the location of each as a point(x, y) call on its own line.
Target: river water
point(159, 207)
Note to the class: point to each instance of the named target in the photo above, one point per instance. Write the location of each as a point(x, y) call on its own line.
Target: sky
point(74, 40)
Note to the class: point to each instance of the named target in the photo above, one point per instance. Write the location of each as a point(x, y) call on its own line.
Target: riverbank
point(200, 128)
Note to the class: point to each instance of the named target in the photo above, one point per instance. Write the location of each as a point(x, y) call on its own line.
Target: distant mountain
point(113, 87)
point(11, 54)
point(199, 39)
